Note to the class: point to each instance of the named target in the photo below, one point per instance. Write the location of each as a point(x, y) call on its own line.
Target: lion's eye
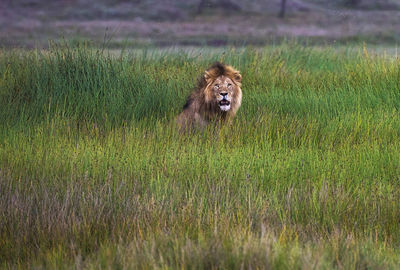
point(217, 85)
point(229, 84)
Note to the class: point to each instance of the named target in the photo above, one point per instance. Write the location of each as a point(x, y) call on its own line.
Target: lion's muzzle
point(224, 105)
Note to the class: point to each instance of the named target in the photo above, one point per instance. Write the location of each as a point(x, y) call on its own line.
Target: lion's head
point(218, 95)
point(222, 89)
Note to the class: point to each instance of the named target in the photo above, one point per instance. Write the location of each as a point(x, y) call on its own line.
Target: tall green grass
point(94, 174)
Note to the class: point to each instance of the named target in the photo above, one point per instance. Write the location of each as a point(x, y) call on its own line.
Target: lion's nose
point(223, 94)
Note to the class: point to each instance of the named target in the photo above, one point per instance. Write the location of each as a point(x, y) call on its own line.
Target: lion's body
point(217, 96)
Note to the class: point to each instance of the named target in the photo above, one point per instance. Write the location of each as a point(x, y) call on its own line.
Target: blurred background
point(139, 23)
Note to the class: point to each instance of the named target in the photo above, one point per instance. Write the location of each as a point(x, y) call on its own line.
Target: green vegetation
point(93, 172)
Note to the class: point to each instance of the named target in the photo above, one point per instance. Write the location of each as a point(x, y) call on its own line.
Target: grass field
point(93, 173)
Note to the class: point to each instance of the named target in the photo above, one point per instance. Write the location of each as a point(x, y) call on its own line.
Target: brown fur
point(202, 105)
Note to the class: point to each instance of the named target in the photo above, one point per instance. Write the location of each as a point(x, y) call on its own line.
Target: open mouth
point(224, 105)
point(224, 102)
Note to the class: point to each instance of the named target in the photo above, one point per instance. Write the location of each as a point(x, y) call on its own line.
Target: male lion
point(217, 96)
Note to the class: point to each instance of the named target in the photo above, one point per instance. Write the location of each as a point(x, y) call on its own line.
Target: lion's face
point(223, 90)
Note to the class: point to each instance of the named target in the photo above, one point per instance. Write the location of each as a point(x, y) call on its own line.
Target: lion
point(218, 96)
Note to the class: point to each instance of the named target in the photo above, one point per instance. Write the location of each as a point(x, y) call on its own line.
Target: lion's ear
point(237, 77)
point(207, 76)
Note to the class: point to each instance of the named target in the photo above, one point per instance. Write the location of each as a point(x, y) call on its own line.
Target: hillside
point(178, 22)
